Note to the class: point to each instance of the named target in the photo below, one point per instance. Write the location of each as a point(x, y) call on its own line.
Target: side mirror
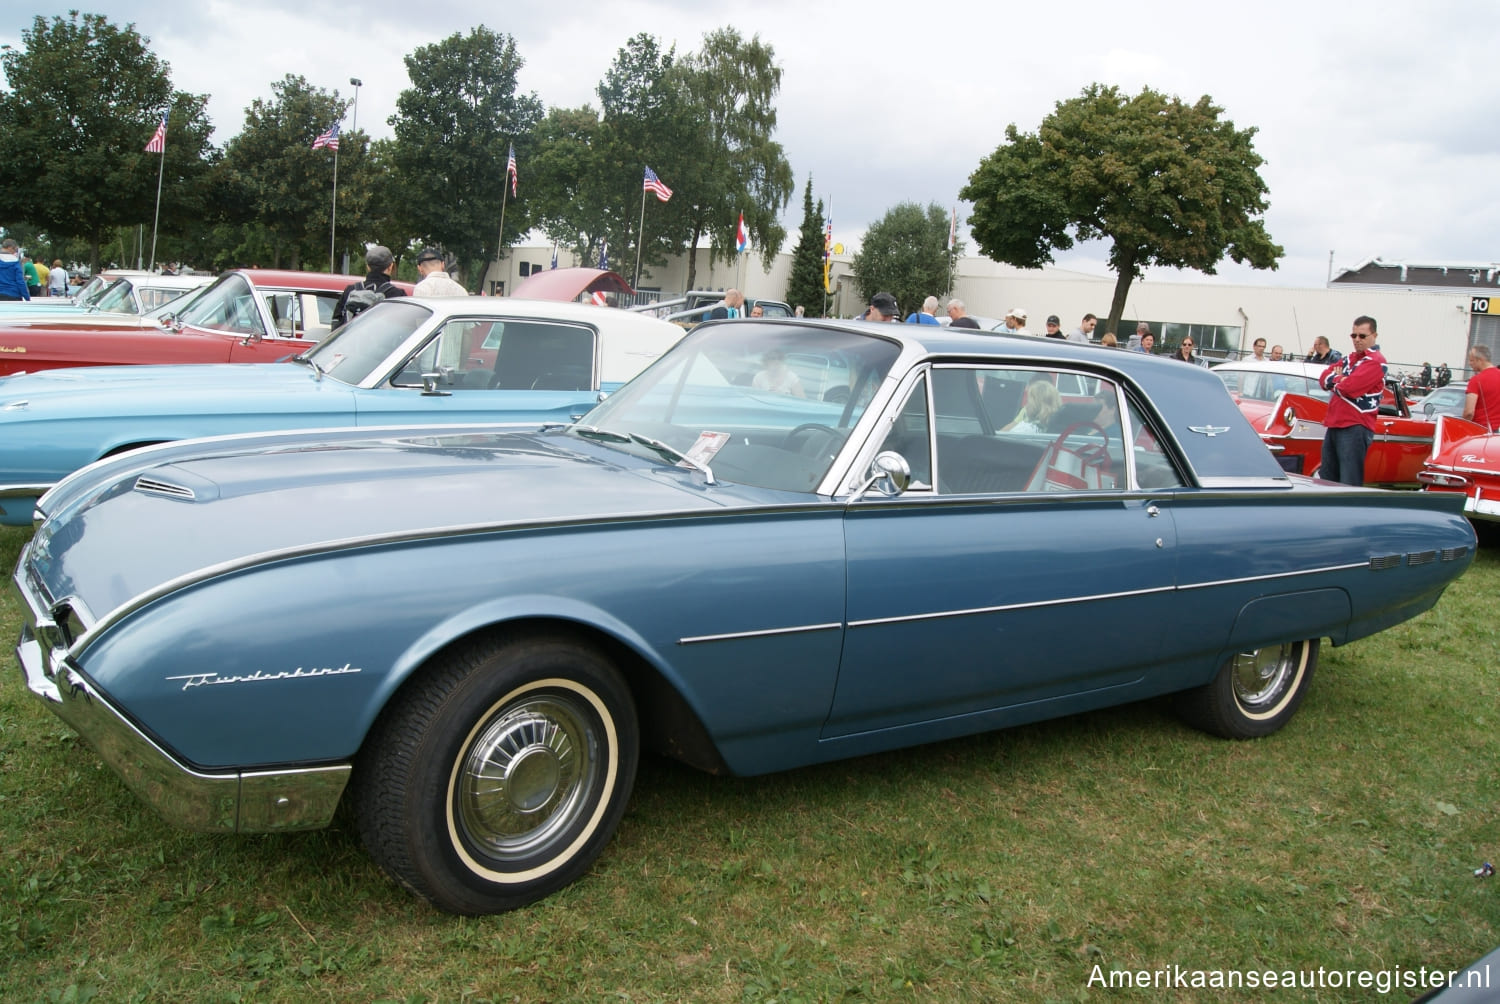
point(889, 474)
point(431, 382)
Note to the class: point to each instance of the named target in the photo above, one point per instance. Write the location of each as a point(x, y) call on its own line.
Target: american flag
point(510, 172)
point(328, 138)
point(158, 142)
point(654, 185)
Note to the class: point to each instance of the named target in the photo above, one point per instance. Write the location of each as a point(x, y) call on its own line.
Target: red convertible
point(245, 316)
point(1286, 406)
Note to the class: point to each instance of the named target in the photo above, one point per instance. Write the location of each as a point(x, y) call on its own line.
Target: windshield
point(357, 349)
point(227, 305)
point(117, 298)
point(1263, 385)
point(761, 404)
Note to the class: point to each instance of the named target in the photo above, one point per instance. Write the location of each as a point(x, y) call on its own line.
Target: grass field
point(1002, 867)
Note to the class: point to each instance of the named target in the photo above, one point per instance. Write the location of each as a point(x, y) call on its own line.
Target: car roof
point(1195, 407)
point(559, 310)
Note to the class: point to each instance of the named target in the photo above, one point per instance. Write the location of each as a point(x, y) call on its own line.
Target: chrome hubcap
point(1260, 676)
point(526, 777)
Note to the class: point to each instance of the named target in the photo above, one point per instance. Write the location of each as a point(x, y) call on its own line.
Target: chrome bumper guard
point(299, 798)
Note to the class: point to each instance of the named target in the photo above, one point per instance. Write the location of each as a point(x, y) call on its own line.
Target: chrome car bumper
point(248, 801)
point(18, 502)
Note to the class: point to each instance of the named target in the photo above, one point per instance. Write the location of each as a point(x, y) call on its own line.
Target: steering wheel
point(1094, 453)
point(789, 442)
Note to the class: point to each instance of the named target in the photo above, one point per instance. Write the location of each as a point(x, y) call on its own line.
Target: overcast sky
point(1376, 120)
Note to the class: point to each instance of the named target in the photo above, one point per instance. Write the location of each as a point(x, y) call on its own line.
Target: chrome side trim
point(768, 632)
point(939, 614)
point(23, 491)
point(1276, 575)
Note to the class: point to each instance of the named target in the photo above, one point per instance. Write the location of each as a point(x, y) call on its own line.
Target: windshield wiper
point(672, 454)
point(305, 358)
point(591, 432)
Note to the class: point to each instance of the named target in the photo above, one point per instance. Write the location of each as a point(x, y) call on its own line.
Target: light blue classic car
point(455, 359)
point(117, 292)
point(785, 542)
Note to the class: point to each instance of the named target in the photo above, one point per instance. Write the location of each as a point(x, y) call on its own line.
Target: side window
point(1153, 468)
point(1027, 430)
point(228, 306)
point(537, 355)
point(285, 313)
point(911, 437)
point(449, 354)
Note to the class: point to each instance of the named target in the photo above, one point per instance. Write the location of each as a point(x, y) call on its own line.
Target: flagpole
point(500, 237)
point(640, 238)
point(333, 224)
point(161, 167)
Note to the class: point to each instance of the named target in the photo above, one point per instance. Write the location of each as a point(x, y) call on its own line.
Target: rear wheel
point(1255, 692)
point(500, 775)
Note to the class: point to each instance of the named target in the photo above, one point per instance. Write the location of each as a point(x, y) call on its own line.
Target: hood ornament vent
point(169, 489)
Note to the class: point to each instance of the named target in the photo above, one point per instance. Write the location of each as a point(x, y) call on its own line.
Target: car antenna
point(1298, 328)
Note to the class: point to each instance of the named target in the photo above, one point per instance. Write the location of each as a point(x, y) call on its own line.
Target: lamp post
point(358, 83)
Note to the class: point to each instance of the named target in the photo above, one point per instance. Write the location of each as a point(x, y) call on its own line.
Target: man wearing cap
point(380, 261)
point(1054, 327)
point(435, 280)
point(1085, 329)
point(882, 308)
point(958, 317)
point(1015, 322)
point(928, 313)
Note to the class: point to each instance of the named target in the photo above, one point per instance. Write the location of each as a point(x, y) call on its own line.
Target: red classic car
point(245, 316)
point(1284, 403)
point(1465, 459)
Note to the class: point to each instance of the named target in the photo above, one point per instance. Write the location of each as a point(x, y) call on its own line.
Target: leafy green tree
point(1167, 183)
point(805, 285)
point(647, 122)
point(588, 166)
point(906, 254)
point(454, 127)
point(568, 179)
point(277, 187)
point(735, 165)
point(85, 98)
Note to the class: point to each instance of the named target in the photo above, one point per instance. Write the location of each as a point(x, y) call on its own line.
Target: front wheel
point(1255, 692)
point(500, 775)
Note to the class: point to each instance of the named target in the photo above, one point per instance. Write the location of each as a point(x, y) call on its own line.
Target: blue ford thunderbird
point(783, 543)
point(455, 359)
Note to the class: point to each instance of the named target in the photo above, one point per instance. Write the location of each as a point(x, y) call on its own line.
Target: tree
point(587, 173)
point(454, 128)
point(906, 254)
point(1166, 182)
point(805, 285)
point(735, 164)
point(646, 115)
point(276, 186)
point(85, 98)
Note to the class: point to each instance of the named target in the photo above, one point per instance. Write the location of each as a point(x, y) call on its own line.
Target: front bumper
point(18, 503)
point(242, 801)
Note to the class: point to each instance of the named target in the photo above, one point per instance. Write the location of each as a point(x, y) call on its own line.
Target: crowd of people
point(22, 278)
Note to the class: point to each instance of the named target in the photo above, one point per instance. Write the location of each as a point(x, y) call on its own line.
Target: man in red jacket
point(1356, 382)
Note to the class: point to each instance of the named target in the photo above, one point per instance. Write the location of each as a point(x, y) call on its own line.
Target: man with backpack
point(376, 286)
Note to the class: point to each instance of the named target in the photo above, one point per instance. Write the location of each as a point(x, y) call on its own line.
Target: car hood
point(149, 387)
point(127, 526)
point(78, 320)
